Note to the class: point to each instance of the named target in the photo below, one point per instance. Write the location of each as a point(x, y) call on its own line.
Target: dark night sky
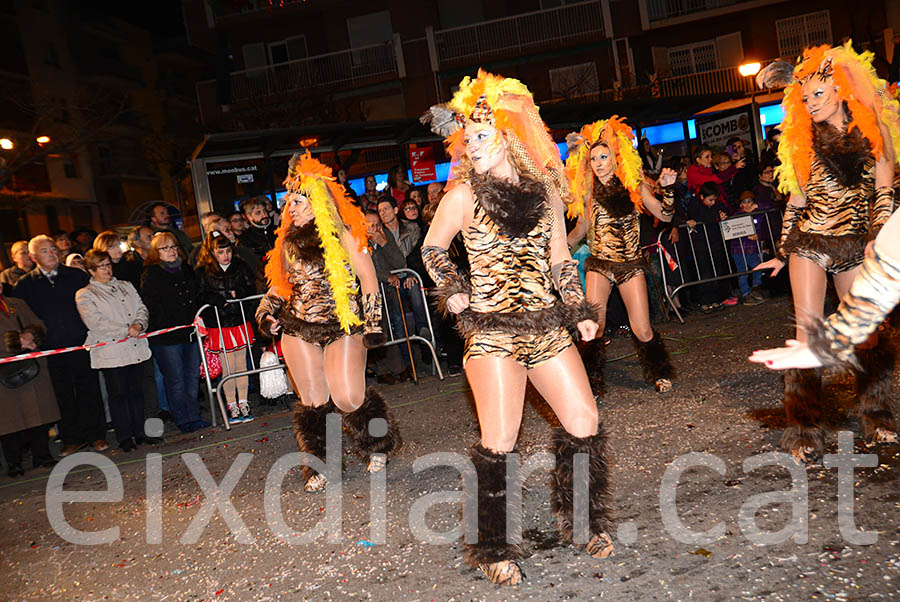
point(162, 18)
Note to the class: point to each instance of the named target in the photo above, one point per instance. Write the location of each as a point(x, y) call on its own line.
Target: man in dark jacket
point(49, 289)
point(259, 236)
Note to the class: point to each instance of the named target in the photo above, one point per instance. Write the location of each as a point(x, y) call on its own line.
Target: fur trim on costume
point(840, 249)
point(801, 409)
point(492, 545)
point(579, 312)
point(318, 333)
point(593, 355)
point(309, 431)
point(515, 208)
point(303, 243)
point(373, 340)
point(613, 197)
point(356, 425)
point(821, 347)
point(454, 286)
point(622, 271)
point(875, 387)
point(654, 358)
point(527, 322)
point(565, 447)
point(844, 154)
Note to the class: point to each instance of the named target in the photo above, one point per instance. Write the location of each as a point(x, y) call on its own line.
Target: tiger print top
point(311, 298)
point(833, 209)
point(508, 274)
point(614, 238)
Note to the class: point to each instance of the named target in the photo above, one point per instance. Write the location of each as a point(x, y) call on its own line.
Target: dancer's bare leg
point(808, 283)
point(597, 290)
point(345, 372)
point(306, 364)
point(498, 385)
point(634, 295)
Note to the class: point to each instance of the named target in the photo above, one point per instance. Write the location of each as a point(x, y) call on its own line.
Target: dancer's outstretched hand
point(774, 263)
point(794, 355)
point(458, 302)
point(588, 329)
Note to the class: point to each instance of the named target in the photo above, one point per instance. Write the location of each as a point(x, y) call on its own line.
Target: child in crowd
point(709, 248)
point(746, 251)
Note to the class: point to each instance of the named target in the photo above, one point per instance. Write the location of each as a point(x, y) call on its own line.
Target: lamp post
point(750, 70)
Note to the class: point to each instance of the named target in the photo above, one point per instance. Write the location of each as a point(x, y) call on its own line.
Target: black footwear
point(15, 470)
point(386, 379)
point(146, 440)
point(165, 416)
point(127, 445)
point(44, 463)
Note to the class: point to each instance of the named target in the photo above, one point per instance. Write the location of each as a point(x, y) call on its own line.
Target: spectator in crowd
point(745, 178)
point(63, 244)
point(76, 260)
point(26, 411)
point(702, 172)
point(112, 310)
point(708, 210)
point(766, 192)
point(22, 264)
point(222, 277)
point(82, 239)
point(410, 212)
point(746, 253)
point(208, 222)
point(170, 292)
point(369, 199)
point(415, 195)
point(651, 159)
point(386, 257)
point(722, 162)
point(397, 184)
point(124, 269)
point(259, 236)
point(139, 240)
point(344, 181)
point(161, 221)
point(407, 235)
point(770, 153)
point(49, 290)
point(435, 191)
point(238, 223)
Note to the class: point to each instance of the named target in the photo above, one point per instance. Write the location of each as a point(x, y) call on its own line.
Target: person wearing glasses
point(170, 291)
point(112, 310)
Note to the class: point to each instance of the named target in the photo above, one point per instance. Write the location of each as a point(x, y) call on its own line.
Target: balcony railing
point(346, 67)
point(726, 80)
point(659, 10)
point(521, 33)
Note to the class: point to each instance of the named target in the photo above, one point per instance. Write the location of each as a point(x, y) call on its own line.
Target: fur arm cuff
point(445, 275)
point(372, 333)
point(667, 207)
point(577, 308)
point(790, 219)
point(882, 207)
point(270, 305)
point(874, 293)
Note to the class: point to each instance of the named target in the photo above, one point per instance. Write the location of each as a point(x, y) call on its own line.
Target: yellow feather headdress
point(618, 138)
point(332, 209)
point(874, 110)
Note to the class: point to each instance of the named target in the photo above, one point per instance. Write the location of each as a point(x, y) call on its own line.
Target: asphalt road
point(722, 407)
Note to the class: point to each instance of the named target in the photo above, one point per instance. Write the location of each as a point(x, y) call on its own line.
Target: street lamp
point(43, 139)
point(750, 70)
point(6, 144)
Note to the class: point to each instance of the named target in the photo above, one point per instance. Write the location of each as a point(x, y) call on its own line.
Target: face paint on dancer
point(300, 210)
point(603, 162)
point(485, 147)
point(822, 101)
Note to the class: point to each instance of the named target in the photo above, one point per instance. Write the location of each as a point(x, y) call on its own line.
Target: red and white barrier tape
point(36, 354)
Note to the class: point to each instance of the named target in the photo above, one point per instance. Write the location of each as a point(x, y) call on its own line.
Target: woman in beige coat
point(112, 310)
point(25, 411)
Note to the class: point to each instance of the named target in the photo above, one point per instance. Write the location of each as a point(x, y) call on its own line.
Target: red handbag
point(212, 360)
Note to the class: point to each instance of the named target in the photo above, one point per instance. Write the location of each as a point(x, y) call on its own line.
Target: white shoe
point(244, 407)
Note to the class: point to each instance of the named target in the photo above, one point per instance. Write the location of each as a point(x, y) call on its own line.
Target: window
point(369, 29)
point(70, 166)
point(693, 58)
point(286, 50)
point(796, 33)
point(574, 81)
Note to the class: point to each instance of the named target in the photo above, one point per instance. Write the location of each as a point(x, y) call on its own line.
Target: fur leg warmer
point(654, 358)
point(309, 431)
point(492, 545)
point(593, 355)
point(563, 477)
point(875, 387)
point(802, 411)
point(356, 425)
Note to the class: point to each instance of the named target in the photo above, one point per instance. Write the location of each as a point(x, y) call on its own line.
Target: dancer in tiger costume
point(505, 198)
point(608, 186)
point(837, 152)
point(326, 324)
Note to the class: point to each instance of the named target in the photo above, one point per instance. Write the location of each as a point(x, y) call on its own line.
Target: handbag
point(15, 374)
point(212, 360)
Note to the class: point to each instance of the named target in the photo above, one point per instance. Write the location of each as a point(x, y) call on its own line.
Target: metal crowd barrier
point(734, 228)
point(393, 338)
point(228, 374)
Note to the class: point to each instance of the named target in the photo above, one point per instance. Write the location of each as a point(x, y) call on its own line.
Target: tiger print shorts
point(528, 350)
point(834, 254)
